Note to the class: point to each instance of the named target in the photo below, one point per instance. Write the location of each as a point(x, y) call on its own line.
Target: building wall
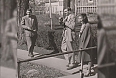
point(107, 7)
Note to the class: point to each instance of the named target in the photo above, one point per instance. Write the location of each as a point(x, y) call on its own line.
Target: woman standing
point(86, 41)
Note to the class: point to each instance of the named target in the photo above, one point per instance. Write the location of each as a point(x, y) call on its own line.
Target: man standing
point(10, 39)
point(68, 37)
point(30, 26)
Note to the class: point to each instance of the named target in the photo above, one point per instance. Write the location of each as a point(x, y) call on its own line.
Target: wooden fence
point(85, 9)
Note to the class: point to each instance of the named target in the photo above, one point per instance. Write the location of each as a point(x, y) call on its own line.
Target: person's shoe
point(30, 55)
point(71, 67)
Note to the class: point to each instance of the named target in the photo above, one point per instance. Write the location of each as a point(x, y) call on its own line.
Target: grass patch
point(29, 70)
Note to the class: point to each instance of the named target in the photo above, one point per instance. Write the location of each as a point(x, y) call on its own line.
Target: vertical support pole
point(75, 7)
point(50, 9)
point(2, 3)
point(81, 69)
point(68, 3)
point(18, 69)
point(34, 6)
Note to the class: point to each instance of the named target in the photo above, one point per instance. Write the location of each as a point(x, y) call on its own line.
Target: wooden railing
point(85, 9)
point(52, 55)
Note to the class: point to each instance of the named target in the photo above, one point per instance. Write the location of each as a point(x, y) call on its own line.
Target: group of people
point(103, 54)
point(85, 40)
point(30, 25)
point(10, 41)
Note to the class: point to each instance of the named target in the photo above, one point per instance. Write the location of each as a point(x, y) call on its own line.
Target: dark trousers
point(31, 43)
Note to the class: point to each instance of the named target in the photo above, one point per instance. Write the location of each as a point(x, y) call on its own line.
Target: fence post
point(18, 69)
point(81, 69)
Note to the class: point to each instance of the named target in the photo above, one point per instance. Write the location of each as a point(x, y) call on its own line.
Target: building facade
point(57, 7)
point(107, 7)
point(80, 6)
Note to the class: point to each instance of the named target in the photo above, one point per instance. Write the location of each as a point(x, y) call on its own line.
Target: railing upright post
point(18, 69)
point(81, 69)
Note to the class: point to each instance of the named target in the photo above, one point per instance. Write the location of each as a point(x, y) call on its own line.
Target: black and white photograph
point(57, 39)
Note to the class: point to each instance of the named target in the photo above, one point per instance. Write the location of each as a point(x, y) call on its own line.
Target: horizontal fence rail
point(107, 65)
point(51, 55)
point(57, 54)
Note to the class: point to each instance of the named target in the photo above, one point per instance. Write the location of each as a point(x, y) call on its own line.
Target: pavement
point(54, 62)
point(6, 72)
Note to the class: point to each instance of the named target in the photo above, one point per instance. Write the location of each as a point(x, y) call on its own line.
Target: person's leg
point(88, 73)
point(64, 49)
point(14, 50)
point(29, 43)
point(33, 39)
point(71, 56)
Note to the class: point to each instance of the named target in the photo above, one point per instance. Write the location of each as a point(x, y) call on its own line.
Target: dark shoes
point(72, 66)
point(30, 55)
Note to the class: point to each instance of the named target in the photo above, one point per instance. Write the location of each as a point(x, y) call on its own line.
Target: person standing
point(10, 39)
point(30, 25)
point(85, 41)
point(68, 37)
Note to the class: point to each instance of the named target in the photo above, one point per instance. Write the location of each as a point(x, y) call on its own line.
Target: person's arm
point(71, 23)
point(65, 19)
point(23, 24)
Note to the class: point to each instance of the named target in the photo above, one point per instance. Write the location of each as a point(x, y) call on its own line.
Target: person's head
point(67, 11)
point(29, 12)
point(83, 18)
point(15, 13)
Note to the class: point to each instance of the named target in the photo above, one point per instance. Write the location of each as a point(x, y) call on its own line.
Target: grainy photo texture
point(57, 39)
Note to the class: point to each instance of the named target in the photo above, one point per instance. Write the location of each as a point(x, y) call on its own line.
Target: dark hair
point(69, 9)
point(100, 25)
point(29, 10)
point(84, 16)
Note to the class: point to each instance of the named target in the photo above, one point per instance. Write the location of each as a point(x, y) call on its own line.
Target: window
point(90, 1)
